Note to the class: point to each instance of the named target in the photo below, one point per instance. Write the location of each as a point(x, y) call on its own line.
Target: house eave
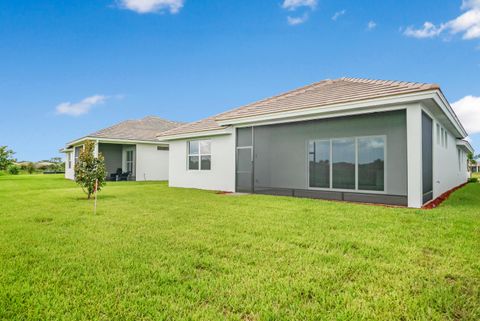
point(465, 145)
point(205, 133)
point(353, 108)
point(112, 141)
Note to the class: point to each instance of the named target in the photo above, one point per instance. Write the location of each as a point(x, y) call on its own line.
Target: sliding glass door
point(356, 164)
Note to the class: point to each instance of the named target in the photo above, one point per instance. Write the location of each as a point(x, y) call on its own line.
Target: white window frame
point(199, 155)
point(130, 162)
point(74, 153)
point(69, 160)
point(356, 190)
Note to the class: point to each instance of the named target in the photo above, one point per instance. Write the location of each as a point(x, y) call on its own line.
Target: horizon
point(70, 69)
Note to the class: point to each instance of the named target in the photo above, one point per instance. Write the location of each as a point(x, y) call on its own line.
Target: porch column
point(95, 151)
point(414, 156)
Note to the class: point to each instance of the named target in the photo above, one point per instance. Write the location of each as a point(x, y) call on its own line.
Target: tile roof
point(320, 94)
point(145, 129)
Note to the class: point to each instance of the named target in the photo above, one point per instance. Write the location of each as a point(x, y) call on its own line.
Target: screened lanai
point(355, 158)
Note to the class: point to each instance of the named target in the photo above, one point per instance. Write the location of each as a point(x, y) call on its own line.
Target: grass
point(159, 253)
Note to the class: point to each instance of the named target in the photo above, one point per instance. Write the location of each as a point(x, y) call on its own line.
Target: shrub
point(473, 180)
point(30, 168)
point(13, 170)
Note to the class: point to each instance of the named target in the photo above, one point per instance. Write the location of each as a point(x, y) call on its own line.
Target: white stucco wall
point(151, 164)
point(446, 171)
point(69, 172)
point(221, 177)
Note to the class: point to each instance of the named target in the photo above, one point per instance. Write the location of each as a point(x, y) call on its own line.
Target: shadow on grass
point(99, 198)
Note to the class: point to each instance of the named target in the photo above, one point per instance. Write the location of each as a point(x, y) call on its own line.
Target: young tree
point(6, 157)
point(90, 169)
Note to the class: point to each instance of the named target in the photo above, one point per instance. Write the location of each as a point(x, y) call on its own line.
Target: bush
point(30, 168)
point(473, 180)
point(13, 170)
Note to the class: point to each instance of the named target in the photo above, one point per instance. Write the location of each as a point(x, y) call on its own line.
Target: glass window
point(193, 147)
point(199, 155)
point(78, 149)
point(205, 163)
point(459, 152)
point(319, 163)
point(193, 162)
point(130, 162)
point(371, 163)
point(343, 163)
point(446, 139)
point(438, 134)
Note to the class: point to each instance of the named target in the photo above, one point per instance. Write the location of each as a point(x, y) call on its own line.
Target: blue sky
point(68, 68)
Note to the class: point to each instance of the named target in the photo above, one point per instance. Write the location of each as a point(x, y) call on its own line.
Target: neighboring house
point(348, 139)
point(130, 148)
point(475, 168)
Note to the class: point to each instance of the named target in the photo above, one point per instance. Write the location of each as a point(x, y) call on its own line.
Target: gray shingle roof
point(321, 94)
point(145, 129)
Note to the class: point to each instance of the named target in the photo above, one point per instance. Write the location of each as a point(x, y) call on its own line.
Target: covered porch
point(120, 160)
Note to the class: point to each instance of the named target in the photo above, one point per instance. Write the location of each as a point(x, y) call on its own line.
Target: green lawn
point(154, 253)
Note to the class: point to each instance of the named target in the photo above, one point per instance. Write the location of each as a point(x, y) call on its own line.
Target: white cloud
point(293, 21)
point(429, 30)
point(371, 25)
point(81, 107)
point(150, 6)
point(295, 4)
point(468, 110)
point(467, 24)
point(338, 14)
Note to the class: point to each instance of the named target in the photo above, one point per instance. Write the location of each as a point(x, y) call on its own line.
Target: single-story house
point(351, 139)
point(130, 148)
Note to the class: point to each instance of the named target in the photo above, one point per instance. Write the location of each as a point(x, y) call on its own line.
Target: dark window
point(343, 163)
point(162, 148)
point(319, 162)
point(371, 163)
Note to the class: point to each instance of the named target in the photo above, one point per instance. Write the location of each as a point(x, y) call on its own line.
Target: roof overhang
point(111, 141)
point(352, 108)
point(205, 133)
point(65, 150)
point(465, 145)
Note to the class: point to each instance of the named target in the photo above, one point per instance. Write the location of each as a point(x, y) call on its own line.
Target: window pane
point(438, 134)
point(206, 163)
point(319, 162)
point(343, 170)
point(193, 147)
point(192, 162)
point(204, 147)
point(371, 163)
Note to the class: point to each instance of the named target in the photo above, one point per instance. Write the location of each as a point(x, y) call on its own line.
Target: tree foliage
point(471, 159)
point(89, 169)
point(6, 157)
point(57, 164)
